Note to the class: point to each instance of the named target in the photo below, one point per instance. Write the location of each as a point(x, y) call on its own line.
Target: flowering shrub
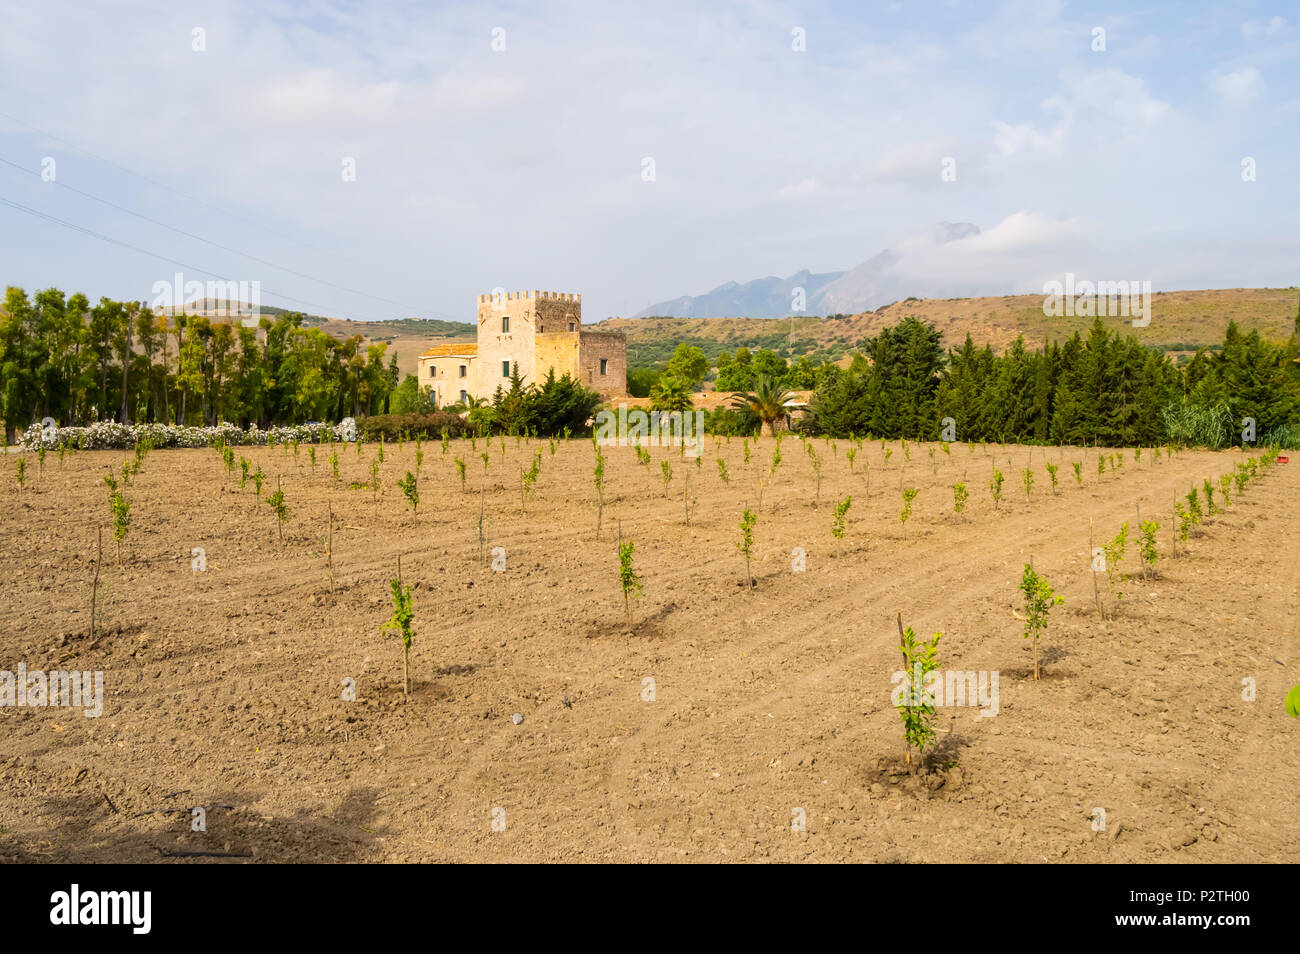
point(110, 435)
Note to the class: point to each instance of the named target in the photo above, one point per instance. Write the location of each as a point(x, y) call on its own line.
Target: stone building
point(535, 331)
point(451, 372)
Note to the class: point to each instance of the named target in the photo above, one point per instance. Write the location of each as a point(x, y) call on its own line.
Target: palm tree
point(670, 394)
point(766, 402)
point(477, 410)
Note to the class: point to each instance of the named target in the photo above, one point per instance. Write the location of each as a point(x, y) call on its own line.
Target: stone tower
point(542, 331)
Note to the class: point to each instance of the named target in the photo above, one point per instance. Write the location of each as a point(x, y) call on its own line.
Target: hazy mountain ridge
point(864, 287)
point(768, 297)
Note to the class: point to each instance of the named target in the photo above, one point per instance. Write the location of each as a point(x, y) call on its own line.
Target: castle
point(537, 332)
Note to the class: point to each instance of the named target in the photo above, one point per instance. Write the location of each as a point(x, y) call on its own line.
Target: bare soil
point(224, 688)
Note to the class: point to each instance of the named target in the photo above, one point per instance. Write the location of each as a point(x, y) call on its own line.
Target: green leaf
point(1293, 702)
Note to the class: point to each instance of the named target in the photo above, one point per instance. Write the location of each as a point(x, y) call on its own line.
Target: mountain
point(769, 297)
point(864, 287)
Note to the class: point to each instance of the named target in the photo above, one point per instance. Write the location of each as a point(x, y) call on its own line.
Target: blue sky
point(522, 167)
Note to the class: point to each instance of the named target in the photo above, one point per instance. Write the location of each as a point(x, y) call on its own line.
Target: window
point(541, 329)
point(505, 369)
point(505, 324)
point(462, 370)
point(604, 364)
point(463, 397)
point(570, 326)
point(433, 372)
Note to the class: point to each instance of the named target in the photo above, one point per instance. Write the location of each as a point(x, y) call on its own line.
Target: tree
point(410, 398)
point(736, 376)
point(671, 394)
point(766, 401)
point(122, 343)
point(688, 365)
point(146, 328)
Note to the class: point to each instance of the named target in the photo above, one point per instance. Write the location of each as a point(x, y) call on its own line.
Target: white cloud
point(477, 168)
point(1238, 88)
point(1106, 106)
point(1026, 139)
point(1016, 255)
point(802, 189)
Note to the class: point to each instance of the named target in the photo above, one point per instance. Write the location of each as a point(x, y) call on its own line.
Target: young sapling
point(411, 490)
point(276, 502)
point(1039, 600)
point(837, 519)
point(628, 580)
point(401, 622)
point(598, 478)
point(909, 494)
point(746, 542)
point(912, 698)
point(1150, 555)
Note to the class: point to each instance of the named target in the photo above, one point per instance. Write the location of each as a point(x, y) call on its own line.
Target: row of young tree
point(63, 358)
point(1099, 389)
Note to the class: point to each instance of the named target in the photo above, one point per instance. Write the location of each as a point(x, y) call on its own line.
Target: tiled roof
point(457, 350)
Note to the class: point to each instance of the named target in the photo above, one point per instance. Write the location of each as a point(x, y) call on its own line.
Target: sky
point(637, 152)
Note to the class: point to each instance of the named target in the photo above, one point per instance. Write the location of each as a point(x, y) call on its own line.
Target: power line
point(144, 251)
point(193, 198)
point(199, 238)
point(161, 185)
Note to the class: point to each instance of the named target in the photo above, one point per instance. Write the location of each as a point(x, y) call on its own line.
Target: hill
point(405, 337)
point(1182, 321)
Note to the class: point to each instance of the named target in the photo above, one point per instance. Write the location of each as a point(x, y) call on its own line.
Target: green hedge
point(391, 427)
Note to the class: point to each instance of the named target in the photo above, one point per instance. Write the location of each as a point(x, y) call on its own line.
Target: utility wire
point(193, 198)
point(199, 238)
point(154, 182)
point(144, 251)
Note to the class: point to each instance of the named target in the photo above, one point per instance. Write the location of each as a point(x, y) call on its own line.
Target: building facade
point(451, 372)
point(536, 332)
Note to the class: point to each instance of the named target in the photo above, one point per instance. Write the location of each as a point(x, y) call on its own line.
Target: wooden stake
point(482, 541)
point(406, 671)
point(627, 604)
point(906, 674)
point(1139, 536)
point(329, 547)
point(94, 587)
point(1096, 593)
point(686, 495)
point(1173, 529)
